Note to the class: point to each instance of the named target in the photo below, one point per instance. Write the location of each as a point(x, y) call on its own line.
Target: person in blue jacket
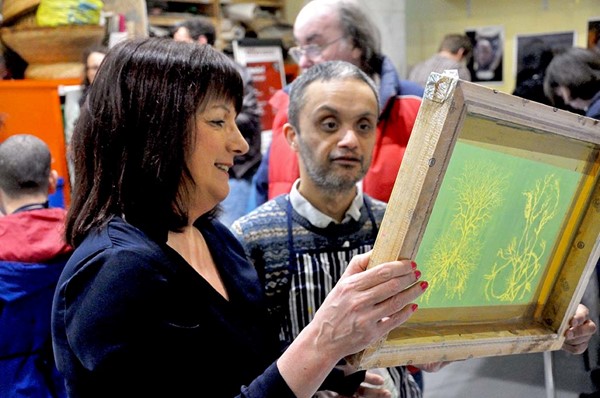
point(33, 253)
point(158, 298)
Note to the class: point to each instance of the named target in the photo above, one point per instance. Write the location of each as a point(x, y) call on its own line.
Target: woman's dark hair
point(577, 69)
point(135, 134)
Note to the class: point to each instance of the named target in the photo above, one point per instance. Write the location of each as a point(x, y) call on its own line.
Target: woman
point(92, 58)
point(158, 298)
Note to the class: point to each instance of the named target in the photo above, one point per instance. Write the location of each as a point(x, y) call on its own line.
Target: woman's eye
point(218, 123)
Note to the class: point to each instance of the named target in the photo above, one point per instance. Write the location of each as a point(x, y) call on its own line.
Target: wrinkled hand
point(365, 305)
point(578, 336)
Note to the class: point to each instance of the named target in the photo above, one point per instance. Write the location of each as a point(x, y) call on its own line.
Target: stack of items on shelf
point(262, 24)
point(233, 19)
point(51, 35)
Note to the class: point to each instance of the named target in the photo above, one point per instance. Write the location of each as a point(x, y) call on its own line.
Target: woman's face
point(93, 63)
point(217, 142)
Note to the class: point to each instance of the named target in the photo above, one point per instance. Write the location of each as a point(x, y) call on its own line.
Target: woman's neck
point(191, 245)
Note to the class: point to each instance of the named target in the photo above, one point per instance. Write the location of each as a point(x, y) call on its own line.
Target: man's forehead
point(338, 90)
point(320, 25)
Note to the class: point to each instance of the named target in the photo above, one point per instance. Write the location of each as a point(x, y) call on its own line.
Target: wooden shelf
point(168, 19)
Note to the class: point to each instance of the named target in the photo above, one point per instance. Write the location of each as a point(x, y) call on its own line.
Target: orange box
point(33, 107)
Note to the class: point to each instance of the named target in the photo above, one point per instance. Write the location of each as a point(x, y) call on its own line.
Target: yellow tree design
point(456, 252)
point(512, 279)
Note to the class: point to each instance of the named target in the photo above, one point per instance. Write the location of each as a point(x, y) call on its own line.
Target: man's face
point(318, 26)
point(337, 129)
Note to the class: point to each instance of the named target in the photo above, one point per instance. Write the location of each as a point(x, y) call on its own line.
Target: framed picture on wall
point(593, 39)
point(498, 201)
point(536, 50)
point(488, 46)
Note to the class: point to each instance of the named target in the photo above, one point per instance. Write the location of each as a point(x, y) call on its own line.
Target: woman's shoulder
point(116, 246)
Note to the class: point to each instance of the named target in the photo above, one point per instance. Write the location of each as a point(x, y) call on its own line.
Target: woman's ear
point(290, 136)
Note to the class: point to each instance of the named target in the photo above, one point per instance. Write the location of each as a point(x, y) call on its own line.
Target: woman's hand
point(367, 304)
point(362, 308)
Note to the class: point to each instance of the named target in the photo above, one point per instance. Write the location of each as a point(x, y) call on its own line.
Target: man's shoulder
point(269, 215)
point(409, 88)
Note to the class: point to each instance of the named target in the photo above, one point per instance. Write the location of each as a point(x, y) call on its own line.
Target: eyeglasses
point(310, 50)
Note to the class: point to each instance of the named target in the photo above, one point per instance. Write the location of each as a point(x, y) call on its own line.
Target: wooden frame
point(498, 200)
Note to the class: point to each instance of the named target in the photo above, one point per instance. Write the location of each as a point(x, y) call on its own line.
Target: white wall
point(390, 17)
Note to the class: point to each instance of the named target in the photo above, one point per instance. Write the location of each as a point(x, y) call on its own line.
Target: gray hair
point(325, 71)
point(363, 32)
point(24, 165)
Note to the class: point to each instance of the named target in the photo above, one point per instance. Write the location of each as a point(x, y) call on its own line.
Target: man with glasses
point(327, 30)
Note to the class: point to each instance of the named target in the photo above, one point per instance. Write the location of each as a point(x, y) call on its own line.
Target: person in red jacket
point(33, 253)
point(340, 30)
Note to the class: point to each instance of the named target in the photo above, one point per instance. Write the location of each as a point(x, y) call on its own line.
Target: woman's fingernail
point(414, 307)
point(413, 265)
point(423, 285)
point(417, 274)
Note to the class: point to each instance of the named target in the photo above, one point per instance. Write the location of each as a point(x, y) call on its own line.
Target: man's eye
point(365, 126)
point(329, 125)
point(312, 49)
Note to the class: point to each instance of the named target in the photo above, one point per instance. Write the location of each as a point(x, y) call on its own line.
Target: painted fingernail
point(414, 307)
point(413, 265)
point(423, 285)
point(417, 274)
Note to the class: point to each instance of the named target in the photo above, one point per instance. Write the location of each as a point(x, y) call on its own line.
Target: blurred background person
point(33, 253)
point(454, 52)
point(92, 58)
point(573, 77)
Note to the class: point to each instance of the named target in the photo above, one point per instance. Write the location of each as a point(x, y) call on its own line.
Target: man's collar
point(318, 218)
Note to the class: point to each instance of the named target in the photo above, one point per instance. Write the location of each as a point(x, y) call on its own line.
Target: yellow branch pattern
point(456, 252)
point(512, 279)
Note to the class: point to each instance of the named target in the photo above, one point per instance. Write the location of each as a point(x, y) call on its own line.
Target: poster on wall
point(488, 45)
point(264, 60)
point(534, 52)
point(593, 41)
